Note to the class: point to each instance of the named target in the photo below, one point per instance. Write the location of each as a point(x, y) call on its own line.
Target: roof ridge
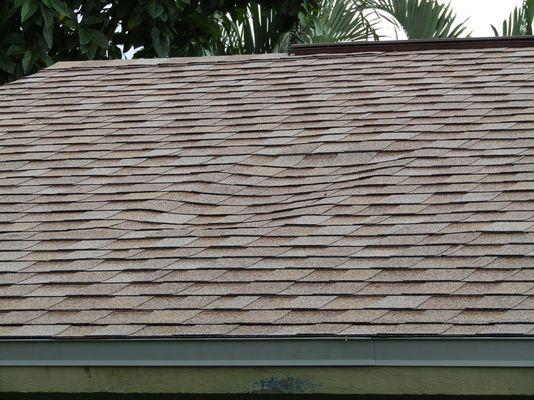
point(412, 45)
point(143, 62)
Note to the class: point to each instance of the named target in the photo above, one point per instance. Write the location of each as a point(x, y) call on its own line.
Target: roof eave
point(342, 351)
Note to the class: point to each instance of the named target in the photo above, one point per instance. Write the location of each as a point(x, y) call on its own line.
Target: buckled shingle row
point(355, 194)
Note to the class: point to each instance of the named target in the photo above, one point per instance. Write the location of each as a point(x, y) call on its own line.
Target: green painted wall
point(319, 380)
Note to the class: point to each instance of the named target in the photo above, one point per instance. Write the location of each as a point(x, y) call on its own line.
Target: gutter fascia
point(253, 352)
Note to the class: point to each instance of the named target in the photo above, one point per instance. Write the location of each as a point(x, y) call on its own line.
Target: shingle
point(247, 275)
point(7, 330)
point(184, 330)
point(407, 288)
point(491, 275)
point(238, 316)
point(312, 330)
point(449, 302)
point(510, 262)
point(177, 302)
point(381, 262)
point(231, 302)
point(516, 316)
point(506, 329)
point(352, 302)
point(58, 290)
point(360, 316)
point(392, 302)
point(38, 330)
point(148, 317)
point(137, 276)
point(339, 275)
point(101, 303)
point(422, 275)
point(320, 288)
point(70, 277)
point(115, 330)
point(495, 288)
point(18, 317)
point(153, 288)
point(509, 226)
point(310, 317)
point(527, 303)
point(256, 330)
point(251, 288)
point(30, 303)
point(396, 330)
point(316, 205)
point(525, 275)
point(70, 317)
point(435, 263)
point(498, 302)
point(416, 316)
point(477, 317)
point(290, 302)
point(16, 290)
point(197, 275)
point(8, 278)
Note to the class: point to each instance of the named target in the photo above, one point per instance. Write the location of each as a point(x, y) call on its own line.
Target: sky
point(481, 14)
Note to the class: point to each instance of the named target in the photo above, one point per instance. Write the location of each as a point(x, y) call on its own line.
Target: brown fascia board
point(412, 45)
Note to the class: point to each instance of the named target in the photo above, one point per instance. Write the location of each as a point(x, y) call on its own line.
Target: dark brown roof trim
point(412, 45)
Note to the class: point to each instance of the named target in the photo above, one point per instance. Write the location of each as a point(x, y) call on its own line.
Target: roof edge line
point(163, 61)
point(412, 45)
point(435, 352)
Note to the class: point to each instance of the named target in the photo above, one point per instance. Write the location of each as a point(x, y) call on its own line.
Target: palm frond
point(421, 19)
point(256, 28)
point(519, 22)
point(336, 21)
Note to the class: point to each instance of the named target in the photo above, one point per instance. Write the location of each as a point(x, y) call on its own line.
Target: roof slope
point(356, 194)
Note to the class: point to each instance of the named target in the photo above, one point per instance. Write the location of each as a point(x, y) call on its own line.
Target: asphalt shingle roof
point(343, 194)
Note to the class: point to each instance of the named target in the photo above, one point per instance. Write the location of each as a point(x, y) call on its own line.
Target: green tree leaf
point(114, 52)
point(7, 65)
point(89, 35)
point(48, 61)
point(28, 60)
point(46, 31)
point(28, 9)
point(155, 8)
point(85, 35)
point(48, 26)
point(16, 49)
point(14, 38)
point(98, 38)
point(48, 35)
point(59, 6)
point(160, 42)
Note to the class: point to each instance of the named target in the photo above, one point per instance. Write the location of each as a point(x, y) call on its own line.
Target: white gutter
point(350, 351)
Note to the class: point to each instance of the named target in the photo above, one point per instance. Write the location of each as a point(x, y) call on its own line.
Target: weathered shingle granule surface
point(343, 194)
